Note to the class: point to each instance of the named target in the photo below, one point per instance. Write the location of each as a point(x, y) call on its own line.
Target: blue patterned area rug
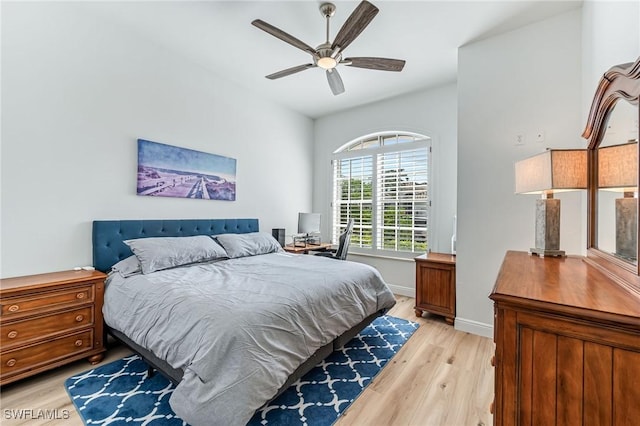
point(120, 392)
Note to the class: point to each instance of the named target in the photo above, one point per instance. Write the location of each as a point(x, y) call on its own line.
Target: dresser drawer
point(48, 300)
point(24, 331)
point(25, 358)
point(49, 320)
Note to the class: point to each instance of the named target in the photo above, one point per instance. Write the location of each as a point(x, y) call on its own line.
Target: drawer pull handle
point(78, 343)
point(13, 308)
point(11, 362)
point(492, 407)
point(12, 334)
point(79, 318)
point(80, 296)
point(493, 361)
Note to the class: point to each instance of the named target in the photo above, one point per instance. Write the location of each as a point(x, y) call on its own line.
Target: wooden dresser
point(48, 320)
point(436, 285)
point(567, 344)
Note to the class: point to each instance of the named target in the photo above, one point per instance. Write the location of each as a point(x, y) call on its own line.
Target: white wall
point(610, 36)
point(520, 82)
point(78, 91)
point(431, 113)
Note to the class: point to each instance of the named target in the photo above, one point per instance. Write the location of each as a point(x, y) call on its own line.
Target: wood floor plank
point(46, 392)
point(440, 377)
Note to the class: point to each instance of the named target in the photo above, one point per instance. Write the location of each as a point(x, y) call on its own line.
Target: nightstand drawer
point(23, 331)
point(25, 358)
point(48, 300)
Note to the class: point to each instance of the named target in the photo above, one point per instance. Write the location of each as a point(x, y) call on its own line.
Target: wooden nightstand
point(436, 285)
point(49, 320)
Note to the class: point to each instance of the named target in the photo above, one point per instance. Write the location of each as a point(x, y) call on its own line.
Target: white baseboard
point(461, 324)
point(474, 327)
point(403, 291)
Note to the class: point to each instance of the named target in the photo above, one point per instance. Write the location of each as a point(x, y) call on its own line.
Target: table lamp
point(618, 172)
point(555, 170)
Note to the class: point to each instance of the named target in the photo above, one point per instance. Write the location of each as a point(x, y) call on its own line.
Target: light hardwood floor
point(440, 377)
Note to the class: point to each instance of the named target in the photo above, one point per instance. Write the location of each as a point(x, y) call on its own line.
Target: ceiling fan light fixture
point(327, 62)
point(328, 55)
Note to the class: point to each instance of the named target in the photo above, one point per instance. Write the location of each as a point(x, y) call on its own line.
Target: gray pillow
point(127, 267)
point(251, 244)
point(160, 253)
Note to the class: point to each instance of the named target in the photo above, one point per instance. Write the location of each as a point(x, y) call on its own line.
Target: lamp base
point(627, 228)
point(544, 252)
point(548, 224)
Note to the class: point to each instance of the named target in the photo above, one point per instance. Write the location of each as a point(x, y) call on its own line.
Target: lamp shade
point(618, 167)
point(554, 170)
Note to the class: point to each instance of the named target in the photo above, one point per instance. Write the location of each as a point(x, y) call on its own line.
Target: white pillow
point(128, 267)
point(160, 253)
point(251, 244)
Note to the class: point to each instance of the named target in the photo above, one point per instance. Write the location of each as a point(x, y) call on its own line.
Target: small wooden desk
point(289, 248)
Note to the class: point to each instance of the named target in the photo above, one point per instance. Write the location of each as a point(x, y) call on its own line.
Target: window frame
point(420, 142)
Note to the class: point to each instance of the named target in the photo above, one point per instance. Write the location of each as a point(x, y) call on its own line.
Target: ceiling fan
point(329, 55)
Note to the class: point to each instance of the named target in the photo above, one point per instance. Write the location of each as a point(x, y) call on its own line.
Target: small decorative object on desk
point(313, 240)
point(305, 249)
point(306, 240)
point(299, 241)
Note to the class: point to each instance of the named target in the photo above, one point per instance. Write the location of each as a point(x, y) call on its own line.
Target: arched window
point(382, 182)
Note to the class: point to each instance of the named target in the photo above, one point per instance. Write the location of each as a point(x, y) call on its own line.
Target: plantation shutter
point(353, 199)
point(402, 200)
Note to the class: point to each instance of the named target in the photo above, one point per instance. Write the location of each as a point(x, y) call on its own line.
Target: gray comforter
point(240, 327)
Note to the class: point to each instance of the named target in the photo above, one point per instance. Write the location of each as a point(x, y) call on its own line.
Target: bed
point(234, 329)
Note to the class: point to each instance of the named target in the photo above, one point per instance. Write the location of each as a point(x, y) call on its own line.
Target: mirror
point(613, 169)
point(617, 177)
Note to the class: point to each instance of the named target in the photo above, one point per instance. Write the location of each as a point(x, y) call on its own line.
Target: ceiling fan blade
point(288, 38)
point(355, 24)
point(335, 82)
point(383, 64)
point(289, 71)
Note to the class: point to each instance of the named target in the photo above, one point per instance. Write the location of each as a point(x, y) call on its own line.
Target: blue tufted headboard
point(108, 235)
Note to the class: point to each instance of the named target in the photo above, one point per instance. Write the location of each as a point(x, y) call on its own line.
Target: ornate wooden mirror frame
point(620, 84)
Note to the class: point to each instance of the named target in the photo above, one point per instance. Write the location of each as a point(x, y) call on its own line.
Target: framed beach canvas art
point(171, 171)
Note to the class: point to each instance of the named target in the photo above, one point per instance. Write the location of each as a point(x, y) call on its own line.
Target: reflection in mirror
point(617, 212)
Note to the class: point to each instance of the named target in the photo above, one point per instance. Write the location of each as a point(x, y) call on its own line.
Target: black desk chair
point(343, 246)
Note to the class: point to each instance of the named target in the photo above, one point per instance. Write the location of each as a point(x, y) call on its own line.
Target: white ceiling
point(219, 36)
